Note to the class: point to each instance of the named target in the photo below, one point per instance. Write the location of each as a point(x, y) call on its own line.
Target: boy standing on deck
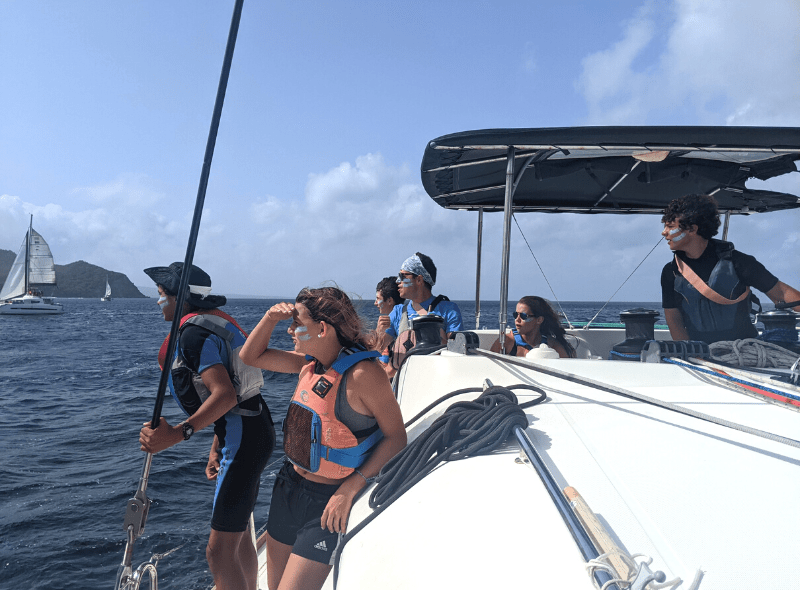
point(705, 290)
point(212, 385)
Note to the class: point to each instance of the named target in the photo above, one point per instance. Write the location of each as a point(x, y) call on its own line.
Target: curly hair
point(551, 326)
point(699, 210)
point(388, 290)
point(332, 305)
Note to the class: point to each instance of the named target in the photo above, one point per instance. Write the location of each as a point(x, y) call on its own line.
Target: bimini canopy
point(611, 169)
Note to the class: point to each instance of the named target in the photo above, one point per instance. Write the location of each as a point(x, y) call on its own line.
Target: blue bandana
point(414, 265)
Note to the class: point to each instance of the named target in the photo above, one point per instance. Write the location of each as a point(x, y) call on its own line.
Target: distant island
point(80, 279)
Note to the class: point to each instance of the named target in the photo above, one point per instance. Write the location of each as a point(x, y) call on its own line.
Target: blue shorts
point(295, 512)
point(247, 442)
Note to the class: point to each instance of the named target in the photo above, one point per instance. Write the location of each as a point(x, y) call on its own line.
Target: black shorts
point(294, 515)
point(248, 444)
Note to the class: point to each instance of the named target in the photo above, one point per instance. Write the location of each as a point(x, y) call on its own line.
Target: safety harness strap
point(703, 288)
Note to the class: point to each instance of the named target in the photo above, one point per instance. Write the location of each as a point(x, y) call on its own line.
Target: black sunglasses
point(526, 317)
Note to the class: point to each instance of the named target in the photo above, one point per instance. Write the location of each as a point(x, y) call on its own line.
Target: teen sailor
point(342, 426)
point(705, 289)
point(415, 280)
point(211, 385)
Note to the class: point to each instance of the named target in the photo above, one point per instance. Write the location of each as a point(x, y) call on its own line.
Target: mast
point(139, 506)
point(28, 254)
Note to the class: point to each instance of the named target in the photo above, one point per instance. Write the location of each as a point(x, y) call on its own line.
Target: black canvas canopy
point(610, 169)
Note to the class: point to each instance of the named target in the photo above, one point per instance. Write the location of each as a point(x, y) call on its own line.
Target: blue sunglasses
point(525, 317)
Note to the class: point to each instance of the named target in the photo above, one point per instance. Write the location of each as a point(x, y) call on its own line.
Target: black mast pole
point(139, 505)
point(198, 208)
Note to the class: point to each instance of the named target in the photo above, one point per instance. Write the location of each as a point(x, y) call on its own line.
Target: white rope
point(751, 352)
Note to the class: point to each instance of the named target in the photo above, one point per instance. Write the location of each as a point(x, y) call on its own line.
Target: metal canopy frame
point(718, 167)
point(627, 170)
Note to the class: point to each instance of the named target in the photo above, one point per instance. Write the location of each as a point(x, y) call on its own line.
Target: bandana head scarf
point(414, 265)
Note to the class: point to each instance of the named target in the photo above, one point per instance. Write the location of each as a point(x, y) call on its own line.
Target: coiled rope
point(466, 429)
point(751, 352)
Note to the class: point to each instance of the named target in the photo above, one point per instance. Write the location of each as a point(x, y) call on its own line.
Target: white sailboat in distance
point(107, 296)
point(32, 268)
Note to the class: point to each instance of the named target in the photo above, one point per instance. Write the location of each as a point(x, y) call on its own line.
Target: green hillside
point(80, 279)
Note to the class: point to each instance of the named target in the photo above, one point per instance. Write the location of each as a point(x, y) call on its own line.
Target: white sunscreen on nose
point(406, 283)
point(672, 232)
point(302, 333)
point(162, 302)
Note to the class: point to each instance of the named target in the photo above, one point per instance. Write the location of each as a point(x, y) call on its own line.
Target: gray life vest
point(708, 320)
point(247, 381)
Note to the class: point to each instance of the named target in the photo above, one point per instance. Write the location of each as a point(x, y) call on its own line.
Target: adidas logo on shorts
point(321, 546)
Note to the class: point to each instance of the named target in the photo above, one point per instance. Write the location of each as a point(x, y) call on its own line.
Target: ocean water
point(74, 392)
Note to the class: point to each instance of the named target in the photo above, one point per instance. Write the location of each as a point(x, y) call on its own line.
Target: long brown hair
point(551, 326)
point(332, 305)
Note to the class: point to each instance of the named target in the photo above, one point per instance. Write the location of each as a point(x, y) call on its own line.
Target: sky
point(106, 107)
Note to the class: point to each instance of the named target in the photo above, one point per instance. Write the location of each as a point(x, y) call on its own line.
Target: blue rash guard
point(245, 442)
point(446, 309)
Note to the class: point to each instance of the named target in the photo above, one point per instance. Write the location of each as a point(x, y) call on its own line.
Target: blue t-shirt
point(447, 309)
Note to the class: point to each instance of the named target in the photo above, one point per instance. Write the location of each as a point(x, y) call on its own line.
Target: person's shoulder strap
point(352, 356)
point(437, 300)
point(208, 324)
point(723, 248)
point(703, 288)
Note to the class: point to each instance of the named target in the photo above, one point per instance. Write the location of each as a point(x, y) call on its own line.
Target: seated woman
point(362, 429)
point(387, 296)
point(535, 323)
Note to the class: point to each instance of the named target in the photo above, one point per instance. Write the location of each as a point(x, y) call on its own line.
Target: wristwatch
point(188, 430)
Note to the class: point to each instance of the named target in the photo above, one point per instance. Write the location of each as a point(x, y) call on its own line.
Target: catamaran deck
point(692, 495)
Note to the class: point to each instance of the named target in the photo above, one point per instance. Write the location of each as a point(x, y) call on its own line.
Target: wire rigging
point(563, 313)
point(623, 284)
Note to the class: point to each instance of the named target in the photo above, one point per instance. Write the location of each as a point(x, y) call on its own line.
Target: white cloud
point(357, 222)
point(717, 62)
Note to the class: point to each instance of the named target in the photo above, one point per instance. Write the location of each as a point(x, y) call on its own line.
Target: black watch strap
point(187, 429)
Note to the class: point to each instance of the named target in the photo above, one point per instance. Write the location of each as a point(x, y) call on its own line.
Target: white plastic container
point(542, 352)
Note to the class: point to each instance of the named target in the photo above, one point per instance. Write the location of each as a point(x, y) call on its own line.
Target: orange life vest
point(313, 438)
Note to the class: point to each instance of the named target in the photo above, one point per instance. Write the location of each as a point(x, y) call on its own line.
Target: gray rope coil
point(751, 352)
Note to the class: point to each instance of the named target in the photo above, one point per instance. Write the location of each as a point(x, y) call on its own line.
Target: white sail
point(108, 290)
point(41, 268)
point(15, 282)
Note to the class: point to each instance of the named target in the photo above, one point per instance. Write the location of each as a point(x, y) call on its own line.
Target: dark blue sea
point(74, 392)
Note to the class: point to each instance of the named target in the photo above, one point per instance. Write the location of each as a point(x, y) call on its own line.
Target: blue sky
point(106, 107)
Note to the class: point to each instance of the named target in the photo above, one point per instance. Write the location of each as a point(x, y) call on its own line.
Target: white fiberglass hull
point(30, 305)
point(703, 500)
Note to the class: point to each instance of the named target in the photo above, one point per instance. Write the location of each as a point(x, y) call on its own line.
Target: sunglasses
point(404, 275)
point(525, 317)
